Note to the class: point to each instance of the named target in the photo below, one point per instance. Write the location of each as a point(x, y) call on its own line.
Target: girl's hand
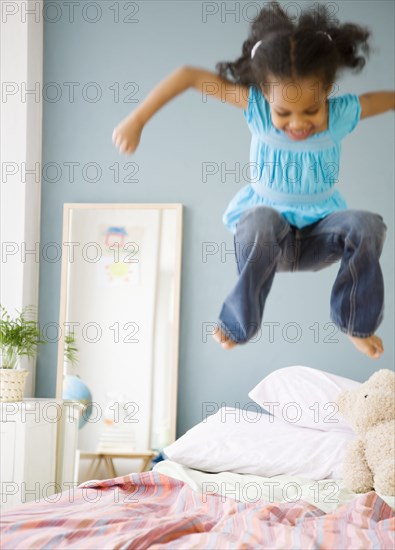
point(126, 136)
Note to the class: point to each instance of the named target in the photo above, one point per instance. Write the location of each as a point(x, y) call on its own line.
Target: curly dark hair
point(297, 49)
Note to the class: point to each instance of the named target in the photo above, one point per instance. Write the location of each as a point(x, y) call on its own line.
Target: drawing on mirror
point(120, 263)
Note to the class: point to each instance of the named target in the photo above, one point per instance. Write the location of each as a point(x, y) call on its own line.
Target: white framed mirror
point(120, 297)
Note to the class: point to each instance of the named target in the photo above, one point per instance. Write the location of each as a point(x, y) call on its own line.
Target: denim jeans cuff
point(228, 332)
point(354, 333)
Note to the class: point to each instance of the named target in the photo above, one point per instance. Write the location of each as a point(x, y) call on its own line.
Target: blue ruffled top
point(297, 178)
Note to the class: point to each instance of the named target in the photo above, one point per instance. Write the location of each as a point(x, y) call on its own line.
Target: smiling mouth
point(300, 134)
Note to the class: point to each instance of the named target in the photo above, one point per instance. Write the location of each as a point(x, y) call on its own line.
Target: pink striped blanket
point(151, 510)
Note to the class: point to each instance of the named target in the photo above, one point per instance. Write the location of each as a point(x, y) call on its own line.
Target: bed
point(239, 479)
point(174, 506)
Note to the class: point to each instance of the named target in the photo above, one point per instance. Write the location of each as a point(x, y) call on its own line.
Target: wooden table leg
point(92, 469)
point(110, 466)
point(146, 463)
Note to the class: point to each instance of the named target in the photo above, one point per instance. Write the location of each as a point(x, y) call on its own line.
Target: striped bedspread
point(151, 510)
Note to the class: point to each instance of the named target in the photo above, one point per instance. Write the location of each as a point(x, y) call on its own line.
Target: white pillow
point(304, 397)
point(251, 442)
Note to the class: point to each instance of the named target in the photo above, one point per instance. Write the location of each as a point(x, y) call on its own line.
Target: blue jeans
point(265, 243)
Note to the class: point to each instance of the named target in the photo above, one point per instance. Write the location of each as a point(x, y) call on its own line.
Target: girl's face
point(298, 107)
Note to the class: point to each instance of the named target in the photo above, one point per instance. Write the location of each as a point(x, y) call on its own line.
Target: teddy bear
point(369, 461)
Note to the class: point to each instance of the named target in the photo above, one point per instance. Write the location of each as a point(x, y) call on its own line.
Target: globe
point(76, 390)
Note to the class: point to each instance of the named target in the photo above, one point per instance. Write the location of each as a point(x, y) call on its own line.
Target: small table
point(107, 457)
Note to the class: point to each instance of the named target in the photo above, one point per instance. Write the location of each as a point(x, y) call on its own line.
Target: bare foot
point(372, 346)
point(222, 338)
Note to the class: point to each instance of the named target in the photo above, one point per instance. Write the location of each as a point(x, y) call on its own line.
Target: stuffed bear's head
point(371, 403)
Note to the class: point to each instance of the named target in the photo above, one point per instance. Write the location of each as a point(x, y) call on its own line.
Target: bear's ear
point(344, 400)
point(383, 379)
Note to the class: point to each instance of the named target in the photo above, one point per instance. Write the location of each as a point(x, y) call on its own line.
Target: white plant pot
point(12, 384)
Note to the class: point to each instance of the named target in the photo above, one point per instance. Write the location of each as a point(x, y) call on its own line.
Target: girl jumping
point(291, 217)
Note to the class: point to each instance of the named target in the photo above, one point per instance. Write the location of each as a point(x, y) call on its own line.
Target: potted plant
point(70, 354)
point(18, 337)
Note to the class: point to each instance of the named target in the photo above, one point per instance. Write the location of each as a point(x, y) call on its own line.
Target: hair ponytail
point(349, 39)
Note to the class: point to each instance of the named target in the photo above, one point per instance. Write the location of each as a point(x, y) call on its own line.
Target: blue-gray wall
point(185, 134)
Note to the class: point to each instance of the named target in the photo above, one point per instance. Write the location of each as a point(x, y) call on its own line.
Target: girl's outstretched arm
point(375, 103)
point(126, 135)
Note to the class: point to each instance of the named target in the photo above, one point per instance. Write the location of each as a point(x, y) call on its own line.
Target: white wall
point(20, 151)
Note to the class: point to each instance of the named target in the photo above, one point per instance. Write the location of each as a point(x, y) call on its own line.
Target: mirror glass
point(120, 295)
